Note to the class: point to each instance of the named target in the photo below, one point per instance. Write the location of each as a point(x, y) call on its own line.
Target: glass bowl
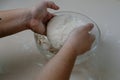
point(48, 52)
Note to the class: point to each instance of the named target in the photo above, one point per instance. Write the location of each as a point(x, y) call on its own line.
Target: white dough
point(60, 27)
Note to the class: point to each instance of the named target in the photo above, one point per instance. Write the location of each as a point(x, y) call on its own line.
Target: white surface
point(20, 50)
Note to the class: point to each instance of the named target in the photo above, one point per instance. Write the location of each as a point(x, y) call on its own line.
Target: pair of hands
point(80, 40)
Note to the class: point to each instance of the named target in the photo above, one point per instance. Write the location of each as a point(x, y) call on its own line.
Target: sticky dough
point(59, 28)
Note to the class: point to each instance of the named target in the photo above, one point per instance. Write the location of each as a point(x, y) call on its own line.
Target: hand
point(40, 16)
point(80, 40)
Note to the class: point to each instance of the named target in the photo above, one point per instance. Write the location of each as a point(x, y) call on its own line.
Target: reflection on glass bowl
point(49, 51)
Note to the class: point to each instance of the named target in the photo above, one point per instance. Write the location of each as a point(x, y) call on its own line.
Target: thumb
point(37, 27)
point(40, 28)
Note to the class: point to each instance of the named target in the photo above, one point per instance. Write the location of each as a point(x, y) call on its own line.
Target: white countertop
point(19, 56)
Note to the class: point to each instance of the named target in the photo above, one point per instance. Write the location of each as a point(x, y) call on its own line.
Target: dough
point(60, 27)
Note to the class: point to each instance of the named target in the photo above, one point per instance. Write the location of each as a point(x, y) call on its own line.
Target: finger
point(92, 38)
point(52, 15)
point(51, 5)
point(48, 17)
point(38, 28)
point(41, 28)
point(88, 27)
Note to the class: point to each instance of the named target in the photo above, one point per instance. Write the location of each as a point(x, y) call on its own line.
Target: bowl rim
point(92, 50)
point(99, 31)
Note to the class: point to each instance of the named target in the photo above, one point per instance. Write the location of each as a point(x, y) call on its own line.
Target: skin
point(61, 65)
point(36, 19)
point(17, 20)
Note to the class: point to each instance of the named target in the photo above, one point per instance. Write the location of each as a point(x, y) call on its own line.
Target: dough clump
point(59, 28)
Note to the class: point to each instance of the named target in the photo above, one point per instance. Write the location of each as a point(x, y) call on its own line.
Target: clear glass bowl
point(41, 40)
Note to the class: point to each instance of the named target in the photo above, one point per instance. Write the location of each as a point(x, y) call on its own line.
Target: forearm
point(13, 21)
point(60, 66)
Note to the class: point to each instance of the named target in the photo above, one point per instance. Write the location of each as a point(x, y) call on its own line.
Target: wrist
point(76, 50)
point(27, 18)
point(70, 49)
